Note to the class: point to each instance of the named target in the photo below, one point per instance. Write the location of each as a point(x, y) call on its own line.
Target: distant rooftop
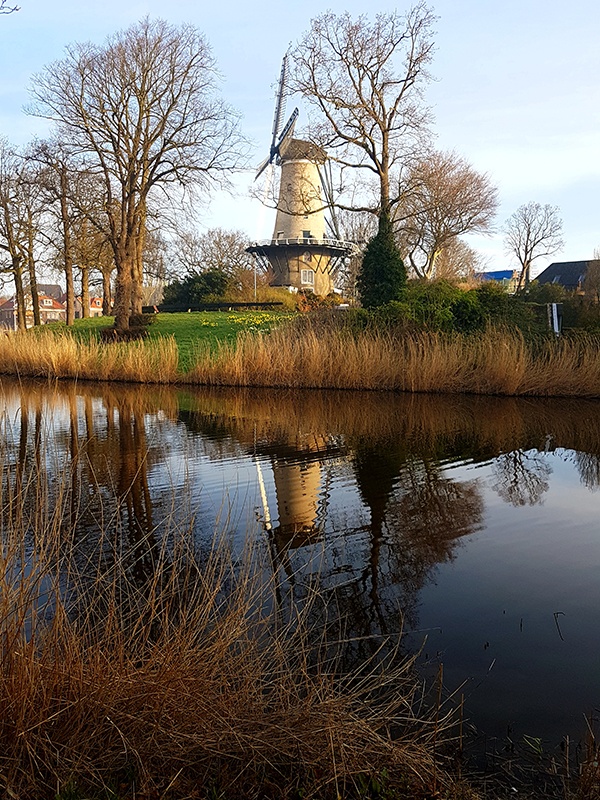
point(496, 275)
point(570, 274)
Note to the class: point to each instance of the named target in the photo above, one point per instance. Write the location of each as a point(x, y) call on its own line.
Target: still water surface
point(470, 523)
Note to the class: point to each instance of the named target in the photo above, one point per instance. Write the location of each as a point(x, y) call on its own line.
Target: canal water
point(469, 525)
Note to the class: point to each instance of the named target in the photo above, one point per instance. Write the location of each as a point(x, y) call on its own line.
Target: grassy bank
point(146, 668)
point(252, 350)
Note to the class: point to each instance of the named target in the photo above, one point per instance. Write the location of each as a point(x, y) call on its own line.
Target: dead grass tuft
point(496, 362)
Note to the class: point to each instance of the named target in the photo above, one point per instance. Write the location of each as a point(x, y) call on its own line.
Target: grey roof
point(570, 274)
point(51, 290)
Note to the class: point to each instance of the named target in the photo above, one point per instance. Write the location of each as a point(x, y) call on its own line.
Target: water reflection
point(370, 497)
point(522, 477)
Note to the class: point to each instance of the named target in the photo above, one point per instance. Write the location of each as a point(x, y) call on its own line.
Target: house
point(571, 275)
point(508, 278)
point(50, 290)
point(95, 309)
point(51, 310)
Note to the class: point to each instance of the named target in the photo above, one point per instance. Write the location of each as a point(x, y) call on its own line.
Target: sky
point(516, 92)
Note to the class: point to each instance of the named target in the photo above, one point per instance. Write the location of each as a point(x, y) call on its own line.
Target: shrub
point(545, 293)
point(382, 275)
point(468, 313)
point(195, 289)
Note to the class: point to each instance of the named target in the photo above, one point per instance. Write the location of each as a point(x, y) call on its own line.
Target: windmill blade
point(280, 102)
point(262, 167)
point(287, 132)
point(277, 120)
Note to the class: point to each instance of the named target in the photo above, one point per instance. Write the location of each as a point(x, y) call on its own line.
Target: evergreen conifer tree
point(382, 275)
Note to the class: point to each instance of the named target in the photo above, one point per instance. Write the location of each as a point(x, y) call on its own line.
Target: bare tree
point(357, 227)
point(217, 249)
point(365, 80)
point(532, 232)
point(4, 9)
point(93, 254)
point(444, 198)
point(60, 177)
point(459, 261)
point(144, 111)
point(19, 222)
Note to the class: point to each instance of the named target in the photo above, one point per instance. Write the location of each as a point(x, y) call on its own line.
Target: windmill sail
point(280, 102)
point(277, 139)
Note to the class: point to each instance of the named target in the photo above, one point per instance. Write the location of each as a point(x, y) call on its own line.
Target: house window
point(308, 277)
point(46, 301)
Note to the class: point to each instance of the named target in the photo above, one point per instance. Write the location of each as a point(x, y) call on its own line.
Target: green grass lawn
point(195, 329)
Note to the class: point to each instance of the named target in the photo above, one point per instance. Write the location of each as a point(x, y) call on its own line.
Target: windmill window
point(308, 277)
point(307, 256)
point(306, 234)
point(280, 234)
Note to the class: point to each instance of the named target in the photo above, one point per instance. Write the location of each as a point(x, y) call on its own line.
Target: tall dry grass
point(500, 362)
point(151, 669)
point(495, 362)
point(51, 354)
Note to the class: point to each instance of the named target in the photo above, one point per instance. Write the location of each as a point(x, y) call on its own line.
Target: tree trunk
point(524, 277)
point(138, 270)
point(31, 269)
point(123, 292)
point(85, 291)
point(106, 292)
point(67, 254)
point(19, 293)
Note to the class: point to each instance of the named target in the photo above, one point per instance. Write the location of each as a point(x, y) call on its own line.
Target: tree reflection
point(133, 493)
point(588, 465)
point(417, 516)
point(521, 477)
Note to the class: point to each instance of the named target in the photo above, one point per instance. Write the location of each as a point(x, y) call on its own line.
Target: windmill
point(299, 255)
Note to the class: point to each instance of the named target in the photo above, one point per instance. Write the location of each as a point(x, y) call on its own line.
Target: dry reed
point(49, 354)
point(146, 668)
point(497, 362)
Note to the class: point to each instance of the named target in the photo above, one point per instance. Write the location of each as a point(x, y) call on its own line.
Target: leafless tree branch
point(365, 82)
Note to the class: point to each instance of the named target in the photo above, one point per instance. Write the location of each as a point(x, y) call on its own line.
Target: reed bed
point(52, 354)
point(496, 362)
point(146, 668)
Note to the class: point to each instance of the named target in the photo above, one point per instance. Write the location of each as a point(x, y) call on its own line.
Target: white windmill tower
point(300, 254)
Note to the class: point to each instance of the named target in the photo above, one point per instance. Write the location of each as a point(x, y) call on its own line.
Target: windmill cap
point(299, 150)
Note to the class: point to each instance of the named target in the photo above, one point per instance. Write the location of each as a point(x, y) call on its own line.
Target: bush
point(468, 313)
point(382, 275)
point(545, 293)
point(196, 289)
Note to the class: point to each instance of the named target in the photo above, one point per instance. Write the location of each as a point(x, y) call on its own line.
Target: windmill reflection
point(301, 503)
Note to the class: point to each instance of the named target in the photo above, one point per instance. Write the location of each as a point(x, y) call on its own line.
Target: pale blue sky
point(516, 91)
